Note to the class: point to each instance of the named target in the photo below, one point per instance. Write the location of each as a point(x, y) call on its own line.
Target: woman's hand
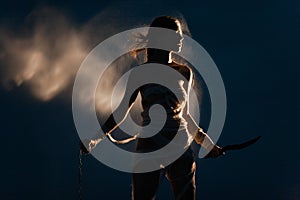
point(85, 147)
point(215, 152)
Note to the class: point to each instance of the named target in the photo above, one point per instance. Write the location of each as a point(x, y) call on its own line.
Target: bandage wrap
point(202, 138)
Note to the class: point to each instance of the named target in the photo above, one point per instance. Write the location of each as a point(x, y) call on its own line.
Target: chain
point(80, 175)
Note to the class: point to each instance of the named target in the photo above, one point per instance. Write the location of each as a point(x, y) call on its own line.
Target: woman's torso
point(173, 102)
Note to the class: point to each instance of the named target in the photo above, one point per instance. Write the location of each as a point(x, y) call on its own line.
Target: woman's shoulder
point(184, 69)
point(182, 66)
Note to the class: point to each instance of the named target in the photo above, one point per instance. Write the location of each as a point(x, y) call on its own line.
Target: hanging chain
point(80, 175)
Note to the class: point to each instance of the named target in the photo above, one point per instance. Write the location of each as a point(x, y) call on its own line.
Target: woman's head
point(173, 43)
point(175, 40)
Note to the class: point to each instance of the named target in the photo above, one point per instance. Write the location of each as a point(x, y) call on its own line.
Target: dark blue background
point(255, 44)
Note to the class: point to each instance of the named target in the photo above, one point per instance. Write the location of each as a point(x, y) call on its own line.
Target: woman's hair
point(165, 22)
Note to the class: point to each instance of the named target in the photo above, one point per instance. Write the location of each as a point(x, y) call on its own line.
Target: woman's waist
point(168, 125)
point(168, 120)
point(164, 136)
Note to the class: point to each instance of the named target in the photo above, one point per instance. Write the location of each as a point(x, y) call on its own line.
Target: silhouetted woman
point(180, 173)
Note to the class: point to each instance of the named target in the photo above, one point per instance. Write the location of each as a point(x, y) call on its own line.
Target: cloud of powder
point(46, 52)
point(44, 58)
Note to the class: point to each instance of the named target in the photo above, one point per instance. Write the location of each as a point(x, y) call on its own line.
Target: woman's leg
point(181, 175)
point(144, 185)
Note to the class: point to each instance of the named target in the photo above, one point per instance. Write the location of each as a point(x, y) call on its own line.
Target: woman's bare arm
point(200, 136)
point(110, 124)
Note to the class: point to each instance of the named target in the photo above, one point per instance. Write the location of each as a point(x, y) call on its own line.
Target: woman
point(181, 173)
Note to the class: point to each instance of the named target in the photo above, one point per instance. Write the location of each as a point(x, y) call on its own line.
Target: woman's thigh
point(181, 175)
point(144, 185)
